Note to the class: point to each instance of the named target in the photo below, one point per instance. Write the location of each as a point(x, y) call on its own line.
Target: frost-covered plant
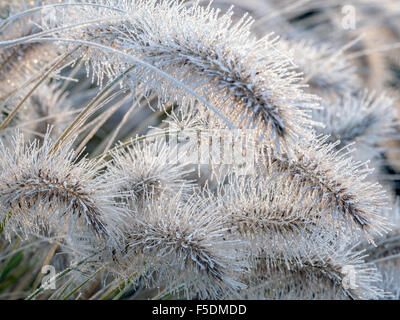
point(40, 185)
point(148, 170)
point(170, 152)
point(361, 120)
point(184, 243)
point(218, 62)
point(326, 70)
point(330, 272)
point(340, 182)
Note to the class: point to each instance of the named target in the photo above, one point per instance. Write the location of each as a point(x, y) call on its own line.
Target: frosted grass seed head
point(341, 183)
point(363, 118)
point(195, 52)
point(184, 244)
point(45, 188)
point(148, 169)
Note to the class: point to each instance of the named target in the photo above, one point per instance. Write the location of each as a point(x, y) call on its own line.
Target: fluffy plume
point(363, 118)
point(340, 182)
point(294, 244)
point(251, 82)
point(149, 169)
point(282, 207)
point(19, 64)
point(184, 244)
point(37, 185)
point(386, 252)
point(275, 215)
point(334, 272)
point(326, 70)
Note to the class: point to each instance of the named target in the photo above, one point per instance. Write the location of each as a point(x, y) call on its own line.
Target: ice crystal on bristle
point(148, 169)
point(363, 118)
point(184, 245)
point(331, 272)
point(45, 189)
point(341, 183)
point(250, 82)
point(272, 210)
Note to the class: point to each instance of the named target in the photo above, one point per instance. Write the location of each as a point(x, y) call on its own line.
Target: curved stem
point(33, 10)
point(58, 276)
point(88, 109)
point(43, 78)
point(138, 61)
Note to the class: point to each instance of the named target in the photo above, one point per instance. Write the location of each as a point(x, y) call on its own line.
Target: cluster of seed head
point(284, 228)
